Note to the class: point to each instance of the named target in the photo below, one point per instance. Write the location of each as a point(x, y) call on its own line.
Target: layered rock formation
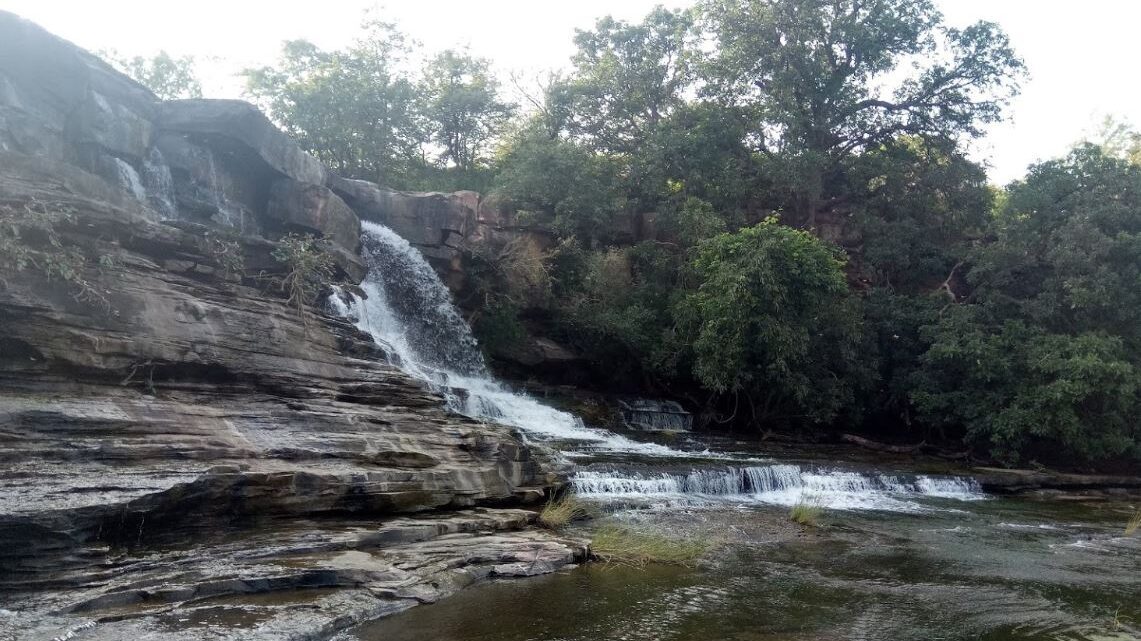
point(177, 436)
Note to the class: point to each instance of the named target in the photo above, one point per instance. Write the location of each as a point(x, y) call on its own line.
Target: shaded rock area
point(184, 451)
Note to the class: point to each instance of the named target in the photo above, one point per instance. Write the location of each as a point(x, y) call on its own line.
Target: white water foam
point(409, 310)
point(777, 485)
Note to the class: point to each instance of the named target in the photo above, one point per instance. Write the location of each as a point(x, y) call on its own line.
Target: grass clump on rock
point(627, 546)
point(805, 514)
point(1134, 524)
point(558, 513)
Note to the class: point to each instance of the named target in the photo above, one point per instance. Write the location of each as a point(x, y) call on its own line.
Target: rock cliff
point(186, 451)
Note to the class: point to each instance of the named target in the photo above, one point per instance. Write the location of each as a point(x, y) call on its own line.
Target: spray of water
point(408, 309)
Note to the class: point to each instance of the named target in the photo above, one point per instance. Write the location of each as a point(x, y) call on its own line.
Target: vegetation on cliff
point(767, 208)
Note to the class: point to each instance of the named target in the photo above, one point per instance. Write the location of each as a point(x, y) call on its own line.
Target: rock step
point(304, 581)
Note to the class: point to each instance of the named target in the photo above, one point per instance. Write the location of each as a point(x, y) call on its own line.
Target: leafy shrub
point(30, 240)
point(309, 269)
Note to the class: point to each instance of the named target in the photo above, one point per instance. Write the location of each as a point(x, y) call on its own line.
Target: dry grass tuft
point(805, 514)
point(558, 513)
point(626, 546)
point(1134, 524)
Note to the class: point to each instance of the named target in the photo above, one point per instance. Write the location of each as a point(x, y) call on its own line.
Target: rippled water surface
point(996, 569)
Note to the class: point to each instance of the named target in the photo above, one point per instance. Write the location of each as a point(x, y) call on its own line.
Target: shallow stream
point(997, 569)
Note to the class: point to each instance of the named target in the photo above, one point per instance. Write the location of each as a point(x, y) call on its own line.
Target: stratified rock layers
point(176, 437)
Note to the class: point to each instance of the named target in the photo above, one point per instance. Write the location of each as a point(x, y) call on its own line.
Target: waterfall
point(124, 176)
point(408, 309)
point(159, 184)
point(775, 484)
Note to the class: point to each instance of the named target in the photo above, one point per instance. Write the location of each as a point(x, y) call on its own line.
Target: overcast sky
point(1082, 55)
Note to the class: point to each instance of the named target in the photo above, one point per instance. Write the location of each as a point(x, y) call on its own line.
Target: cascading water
point(408, 310)
point(159, 184)
point(774, 484)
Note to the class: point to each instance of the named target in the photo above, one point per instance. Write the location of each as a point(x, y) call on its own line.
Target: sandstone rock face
point(242, 122)
point(208, 161)
point(314, 208)
point(176, 437)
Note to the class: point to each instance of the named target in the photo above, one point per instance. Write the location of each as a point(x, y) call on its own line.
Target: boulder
point(314, 208)
point(239, 121)
point(425, 219)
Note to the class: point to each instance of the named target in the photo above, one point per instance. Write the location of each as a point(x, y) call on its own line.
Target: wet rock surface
point(185, 452)
point(292, 580)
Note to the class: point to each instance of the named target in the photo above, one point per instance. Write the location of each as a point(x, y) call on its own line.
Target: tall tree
point(353, 108)
point(1046, 352)
point(825, 80)
point(463, 108)
point(627, 78)
point(771, 321)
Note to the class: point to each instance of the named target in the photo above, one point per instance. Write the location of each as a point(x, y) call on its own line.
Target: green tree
point(463, 108)
point(771, 321)
point(826, 80)
point(169, 77)
point(1046, 354)
point(627, 78)
point(354, 109)
point(560, 182)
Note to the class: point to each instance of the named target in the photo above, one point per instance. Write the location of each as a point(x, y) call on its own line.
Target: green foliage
point(627, 78)
point(30, 239)
point(463, 108)
point(923, 202)
point(1119, 139)
point(828, 80)
point(805, 514)
point(169, 77)
point(309, 269)
point(1047, 352)
point(771, 318)
point(564, 182)
point(353, 108)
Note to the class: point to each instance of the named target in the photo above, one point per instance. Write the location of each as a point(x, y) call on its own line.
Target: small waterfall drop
point(775, 484)
point(124, 176)
point(159, 184)
point(410, 310)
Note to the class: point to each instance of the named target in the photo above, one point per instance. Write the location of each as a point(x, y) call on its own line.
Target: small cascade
point(775, 484)
point(124, 176)
point(409, 310)
point(656, 416)
point(226, 213)
point(159, 184)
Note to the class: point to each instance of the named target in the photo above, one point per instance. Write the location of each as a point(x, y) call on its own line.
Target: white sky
point(1081, 54)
